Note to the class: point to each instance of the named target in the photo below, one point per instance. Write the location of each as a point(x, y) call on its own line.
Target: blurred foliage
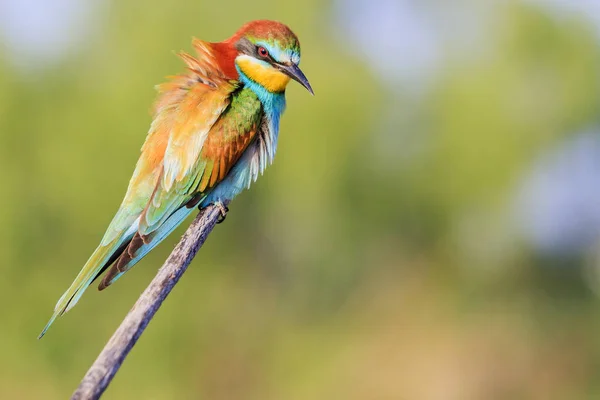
point(375, 258)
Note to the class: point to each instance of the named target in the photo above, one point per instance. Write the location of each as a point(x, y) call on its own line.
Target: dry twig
point(109, 361)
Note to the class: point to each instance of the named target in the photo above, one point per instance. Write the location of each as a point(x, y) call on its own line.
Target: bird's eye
point(263, 52)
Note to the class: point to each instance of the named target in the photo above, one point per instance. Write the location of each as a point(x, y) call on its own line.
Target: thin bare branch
point(109, 361)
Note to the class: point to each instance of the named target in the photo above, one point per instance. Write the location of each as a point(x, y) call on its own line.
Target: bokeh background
point(430, 228)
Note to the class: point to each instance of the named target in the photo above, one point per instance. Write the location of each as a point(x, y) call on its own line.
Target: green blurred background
point(430, 228)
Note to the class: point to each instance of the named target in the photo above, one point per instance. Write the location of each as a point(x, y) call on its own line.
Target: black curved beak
point(294, 72)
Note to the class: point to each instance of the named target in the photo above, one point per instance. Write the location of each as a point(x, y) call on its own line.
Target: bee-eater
point(214, 131)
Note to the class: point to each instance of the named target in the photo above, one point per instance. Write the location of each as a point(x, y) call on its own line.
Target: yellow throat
point(271, 79)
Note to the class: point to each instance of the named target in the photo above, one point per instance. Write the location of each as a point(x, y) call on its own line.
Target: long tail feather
point(123, 253)
point(96, 264)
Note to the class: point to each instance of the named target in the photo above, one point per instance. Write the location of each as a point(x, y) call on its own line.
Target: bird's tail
point(102, 257)
point(140, 245)
point(123, 253)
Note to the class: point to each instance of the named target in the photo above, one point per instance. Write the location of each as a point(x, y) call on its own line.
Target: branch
point(109, 361)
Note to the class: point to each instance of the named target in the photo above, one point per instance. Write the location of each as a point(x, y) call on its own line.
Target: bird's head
point(268, 53)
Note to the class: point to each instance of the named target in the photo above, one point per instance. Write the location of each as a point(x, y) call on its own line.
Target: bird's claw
point(223, 209)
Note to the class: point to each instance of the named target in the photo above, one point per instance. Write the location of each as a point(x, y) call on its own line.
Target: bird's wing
point(223, 146)
point(188, 106)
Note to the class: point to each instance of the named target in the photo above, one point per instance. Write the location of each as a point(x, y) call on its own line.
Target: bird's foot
point(223, 209)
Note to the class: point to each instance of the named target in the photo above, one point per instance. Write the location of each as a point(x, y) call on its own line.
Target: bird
point(214, 131)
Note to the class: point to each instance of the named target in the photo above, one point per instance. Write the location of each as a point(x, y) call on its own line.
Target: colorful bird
point(214, 130)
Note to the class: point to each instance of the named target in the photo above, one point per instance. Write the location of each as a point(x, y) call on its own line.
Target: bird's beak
point(294, 72)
